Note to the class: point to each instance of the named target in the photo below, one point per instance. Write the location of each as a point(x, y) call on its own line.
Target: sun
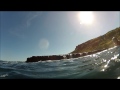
point(86, 17)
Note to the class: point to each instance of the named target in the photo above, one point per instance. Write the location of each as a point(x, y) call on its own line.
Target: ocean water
point(101, 65)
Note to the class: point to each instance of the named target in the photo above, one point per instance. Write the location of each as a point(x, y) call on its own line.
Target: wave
point(104, 64)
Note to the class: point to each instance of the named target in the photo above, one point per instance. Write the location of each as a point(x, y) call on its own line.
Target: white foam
point(4, 75)
point(118, 77)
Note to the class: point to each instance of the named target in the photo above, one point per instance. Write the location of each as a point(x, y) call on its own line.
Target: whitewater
point(101, 65)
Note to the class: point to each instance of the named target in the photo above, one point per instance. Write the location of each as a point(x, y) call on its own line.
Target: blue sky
point(34, 33)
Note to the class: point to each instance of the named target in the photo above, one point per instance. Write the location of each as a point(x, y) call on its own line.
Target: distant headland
point(108, 40)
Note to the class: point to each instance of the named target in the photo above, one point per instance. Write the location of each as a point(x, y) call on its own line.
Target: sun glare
point(86, 17)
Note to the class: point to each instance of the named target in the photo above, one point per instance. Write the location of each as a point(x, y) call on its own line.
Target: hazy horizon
point(36, 33)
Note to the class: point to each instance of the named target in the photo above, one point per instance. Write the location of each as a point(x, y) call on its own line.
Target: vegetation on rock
point(99, 43)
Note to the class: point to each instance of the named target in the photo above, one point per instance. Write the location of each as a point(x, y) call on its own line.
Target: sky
point(25, 34)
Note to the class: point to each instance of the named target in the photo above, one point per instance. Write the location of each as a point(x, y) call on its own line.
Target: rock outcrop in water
point(59, 57)
point(90, 47)
point(44, 58)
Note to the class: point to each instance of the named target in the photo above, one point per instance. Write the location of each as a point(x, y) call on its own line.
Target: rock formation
point(90, 47)
point(102, 42)
point(58, 57)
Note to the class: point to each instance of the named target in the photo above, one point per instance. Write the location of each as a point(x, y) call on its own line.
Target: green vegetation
point(99, 43)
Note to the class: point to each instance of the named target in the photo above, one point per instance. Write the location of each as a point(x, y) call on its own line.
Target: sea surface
point(101, 65)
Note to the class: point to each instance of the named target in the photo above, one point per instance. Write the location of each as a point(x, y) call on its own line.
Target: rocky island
point(89, 47)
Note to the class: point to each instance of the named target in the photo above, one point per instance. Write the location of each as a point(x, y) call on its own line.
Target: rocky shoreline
point(59, 57)
point(108, 40)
